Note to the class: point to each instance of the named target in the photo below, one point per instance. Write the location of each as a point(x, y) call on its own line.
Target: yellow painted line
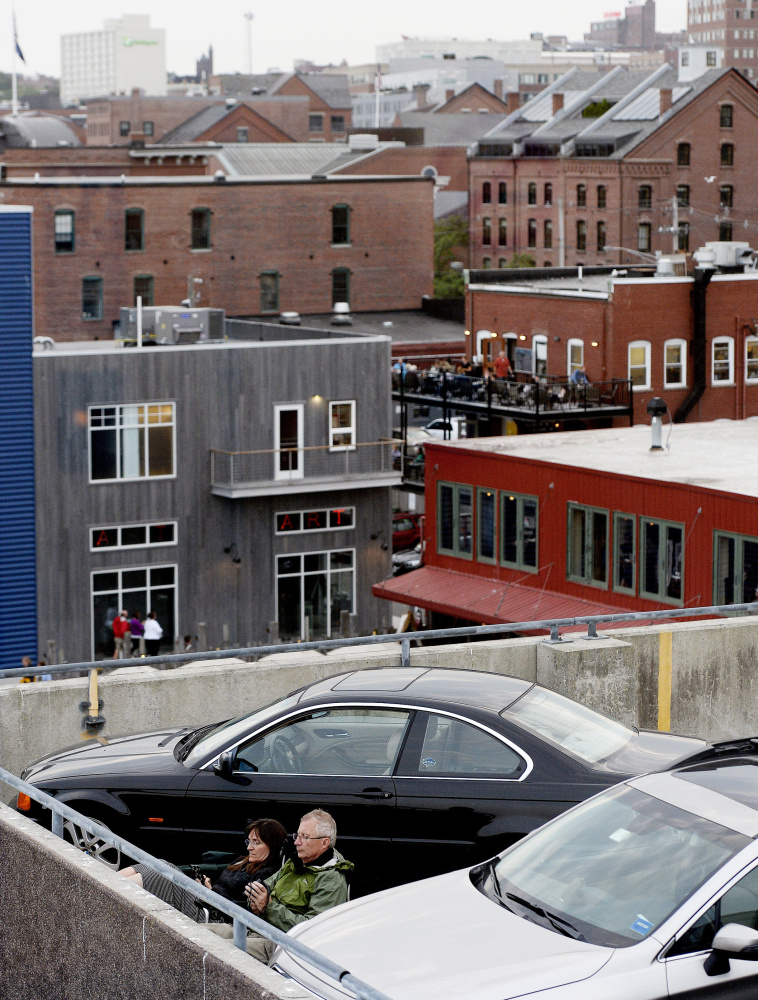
point(664, 682)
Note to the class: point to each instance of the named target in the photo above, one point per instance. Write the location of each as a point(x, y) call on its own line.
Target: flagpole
point(376, 98)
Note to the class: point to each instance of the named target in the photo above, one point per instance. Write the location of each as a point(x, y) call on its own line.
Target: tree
point(450, 239)
point(521, 260)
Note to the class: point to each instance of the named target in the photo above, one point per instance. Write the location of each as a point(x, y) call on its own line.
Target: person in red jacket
point(120, 628)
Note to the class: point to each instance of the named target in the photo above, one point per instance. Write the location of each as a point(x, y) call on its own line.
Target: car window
point(363, 741)
point(738, 905)
point(456, 749)
point(404, 525)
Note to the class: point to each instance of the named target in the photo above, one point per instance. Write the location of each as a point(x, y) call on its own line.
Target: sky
point(322, 31)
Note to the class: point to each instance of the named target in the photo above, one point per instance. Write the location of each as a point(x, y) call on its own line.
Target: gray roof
point(451, 129)
point(200, 122)
point(285, 159)
point(26, 130)
point(450, 203)
point(331, 88)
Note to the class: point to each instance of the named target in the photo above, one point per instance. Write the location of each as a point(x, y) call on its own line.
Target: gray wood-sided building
point(238, 483)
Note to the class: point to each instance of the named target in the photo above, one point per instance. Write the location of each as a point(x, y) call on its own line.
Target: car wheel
point(91, 844)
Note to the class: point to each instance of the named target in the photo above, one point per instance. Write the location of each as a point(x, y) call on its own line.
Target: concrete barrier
point(72, 929)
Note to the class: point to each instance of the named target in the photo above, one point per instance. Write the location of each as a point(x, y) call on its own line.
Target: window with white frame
point(133, 441)
point(639, 364)
point(312, 589)
point(675, 364)
point(288, 441)
point(722, 361)
point(342, 425)
point(137, 591)
point(575, 355)
point(133, 536)
point(539, 355)
point(751, 359)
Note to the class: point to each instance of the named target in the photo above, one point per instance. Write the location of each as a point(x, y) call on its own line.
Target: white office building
point(125, 54)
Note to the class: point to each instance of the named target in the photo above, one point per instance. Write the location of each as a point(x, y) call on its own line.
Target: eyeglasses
point(249, 842)
point(300, 836)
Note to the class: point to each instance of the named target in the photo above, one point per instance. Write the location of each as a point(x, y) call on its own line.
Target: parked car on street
point(451, 429)
point(406, 530)
point(423, 770)
point(647, 891)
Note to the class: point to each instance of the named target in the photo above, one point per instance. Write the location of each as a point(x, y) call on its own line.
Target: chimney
point(513, 101)
point(499, 89)
point(558, 103)
point(449, 95)
point(419, 92)
point(665, 100)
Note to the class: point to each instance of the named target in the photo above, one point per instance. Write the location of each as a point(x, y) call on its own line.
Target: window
point(243, 133)
point(338, 123)
point(600, 236)
point(662, 555)
point(342, 425)
point(581, 235)
point(575, 352)
point(139, 591)
point(92, 298)
point(502, 193)
point(340, 285)
point(315, 123)
point(548, 234)
point(587, 558)
point(683, 236)
point(502, 232)
point(531, 233)
point(486, 521)
point(502, 262)
point(519, 531)
point(675, 364)
point(454, 519)
point(726, 116)
point(143, 287)
point(288, 441)
point(486, 231)
point(539, 354)
point(134, 229)
point(601, 196)
point(134, 441)
point(200, 229)
point(725, 232)
point(548, 194)
point(685, 58)
point(722, 362)
point(64, 231)
point(683, 195)
point(312, 589)
point(726, 196)
point(269, 291)
point(581, 195)
point(735, 568)
point(751, 359)
point(148, 128)
point(486, 193)
point(645, 196)
point(133, 536)
point(624, 552)
point(459, 750)
point(683, 154)
point(124, 128)
point(341, 225)
point(710, 56)
point(727, 154)
point(326, 519)
point(639, 364)
point(486, 263)
point(738, 905)
point(643, 236)
point(531, 195)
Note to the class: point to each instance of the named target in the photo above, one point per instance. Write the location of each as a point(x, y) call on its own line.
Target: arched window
point(726, 115)
point(727, 154)
point(643, 237)
point(502, 193)
point(502, 232)
point(539, 354)
point(722, 361)
point(601, 196)
point(486, 193)
point(531, 194)
point(683, 195)
point(683, 154)
point(639, 364)
point(645, 196)
point(683, 236)
point(548, 194)
point(581, 235)
point(486, 231)
point(581, 195)
point(675, 364)
point(531, 233)
point(601, 236)
point(548, 235)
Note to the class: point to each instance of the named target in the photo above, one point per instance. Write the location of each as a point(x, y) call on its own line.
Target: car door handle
point(374, 793)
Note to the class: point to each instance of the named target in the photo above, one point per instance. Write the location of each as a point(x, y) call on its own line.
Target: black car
point(424, 770)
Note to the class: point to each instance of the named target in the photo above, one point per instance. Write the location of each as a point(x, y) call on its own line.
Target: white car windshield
point(578, 730)
point(229, 733)
point(612, 870)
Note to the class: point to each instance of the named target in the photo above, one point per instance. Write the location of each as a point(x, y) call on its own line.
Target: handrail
point(242, 920)
point(307, 447)
point(322, 645)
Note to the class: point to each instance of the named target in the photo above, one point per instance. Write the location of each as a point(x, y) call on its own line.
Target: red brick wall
point(96, 161)
point(295, 87)
point(448, 161)
point(473, 98)
point(258, 129)
point(166, 113)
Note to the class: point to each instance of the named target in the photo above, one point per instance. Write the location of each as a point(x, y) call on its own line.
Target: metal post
point(58, 825)
point(592, 631)
point(444, 402)
point(489, 407)
point(273, 633)
point(139, 321)
point(142, 648)
point(537, 406)
point(240, 935)
point(344, 624)
point(405, 656)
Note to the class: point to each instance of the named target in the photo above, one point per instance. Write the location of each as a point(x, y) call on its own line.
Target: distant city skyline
point(296, 29)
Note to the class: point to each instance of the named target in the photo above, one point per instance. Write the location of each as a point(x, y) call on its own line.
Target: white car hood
point(441, 939)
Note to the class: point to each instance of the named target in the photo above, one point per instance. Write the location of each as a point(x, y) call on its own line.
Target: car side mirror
point(224, 766)
point(731, 941)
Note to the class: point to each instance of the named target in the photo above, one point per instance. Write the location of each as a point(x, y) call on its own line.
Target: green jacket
point(299, 895)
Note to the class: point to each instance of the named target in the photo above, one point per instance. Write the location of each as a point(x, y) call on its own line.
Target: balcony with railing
point(313, 469)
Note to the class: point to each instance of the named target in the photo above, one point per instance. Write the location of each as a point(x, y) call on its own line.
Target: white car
point(646, 891)
point(454, 427)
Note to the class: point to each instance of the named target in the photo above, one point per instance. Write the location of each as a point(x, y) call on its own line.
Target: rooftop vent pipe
point(656, 408)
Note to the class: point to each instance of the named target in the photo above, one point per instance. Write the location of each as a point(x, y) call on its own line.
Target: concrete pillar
point(202, 637)
point(51, 652)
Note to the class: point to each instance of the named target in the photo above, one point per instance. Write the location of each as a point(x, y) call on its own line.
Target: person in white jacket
point(153, 635)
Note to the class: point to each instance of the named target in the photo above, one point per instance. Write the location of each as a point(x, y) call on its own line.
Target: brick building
point(602, 161)
point(265, 119)
point(730, 24)
point(120, 120)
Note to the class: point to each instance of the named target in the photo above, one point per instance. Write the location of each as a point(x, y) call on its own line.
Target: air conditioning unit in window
point(171, 325)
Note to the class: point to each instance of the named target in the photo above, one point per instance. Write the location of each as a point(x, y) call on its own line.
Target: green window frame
point(92, 298)
point(735, 559)
point(340, 225)
point(587, 545)
point(134, 229)
point(455, 515)
point(64, 230)
point(486, 525)
point(519, 531)
point(661, 569)
point(624, 552)
point(144, 285)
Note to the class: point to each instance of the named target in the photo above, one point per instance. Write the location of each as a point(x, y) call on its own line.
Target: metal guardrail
point(241, 919)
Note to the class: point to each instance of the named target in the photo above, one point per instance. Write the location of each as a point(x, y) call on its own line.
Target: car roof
point(472, 688)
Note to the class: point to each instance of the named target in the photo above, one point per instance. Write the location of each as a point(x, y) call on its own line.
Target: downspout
point(702, 276)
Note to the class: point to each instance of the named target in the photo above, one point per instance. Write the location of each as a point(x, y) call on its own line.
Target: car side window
point(404, 525)
point(360, 741)
point(738, 905)
point(456, 749)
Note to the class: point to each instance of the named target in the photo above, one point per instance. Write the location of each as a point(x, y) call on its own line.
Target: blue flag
point(15, 40)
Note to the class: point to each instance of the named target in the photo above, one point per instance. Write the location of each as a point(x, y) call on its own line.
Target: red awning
point(488, 602)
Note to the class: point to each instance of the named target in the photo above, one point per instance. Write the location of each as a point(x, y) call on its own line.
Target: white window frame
point(299, 472)
point(646, 345)
point(121, 600)
point(482, 336)
point(119, 407)
point(334, 431)
point(719, 342)
point(147, 525)
point(538, 340)
point(332, 627)
point(682, 345)
point(748, 379)
point(570, 366)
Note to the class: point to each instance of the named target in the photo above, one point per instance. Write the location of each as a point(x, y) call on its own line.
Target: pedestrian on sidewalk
point(153, 634)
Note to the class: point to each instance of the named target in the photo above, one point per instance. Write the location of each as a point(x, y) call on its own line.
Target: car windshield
point(228, 733)
point(572, 727)
point(611, 870)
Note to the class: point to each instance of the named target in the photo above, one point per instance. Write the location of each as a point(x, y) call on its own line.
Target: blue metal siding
point(18, 575)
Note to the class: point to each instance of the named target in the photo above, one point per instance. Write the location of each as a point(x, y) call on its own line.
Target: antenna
point(249, 18)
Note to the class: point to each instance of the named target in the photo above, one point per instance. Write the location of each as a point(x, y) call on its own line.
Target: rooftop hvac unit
point(173, 325)
point(731, 254)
